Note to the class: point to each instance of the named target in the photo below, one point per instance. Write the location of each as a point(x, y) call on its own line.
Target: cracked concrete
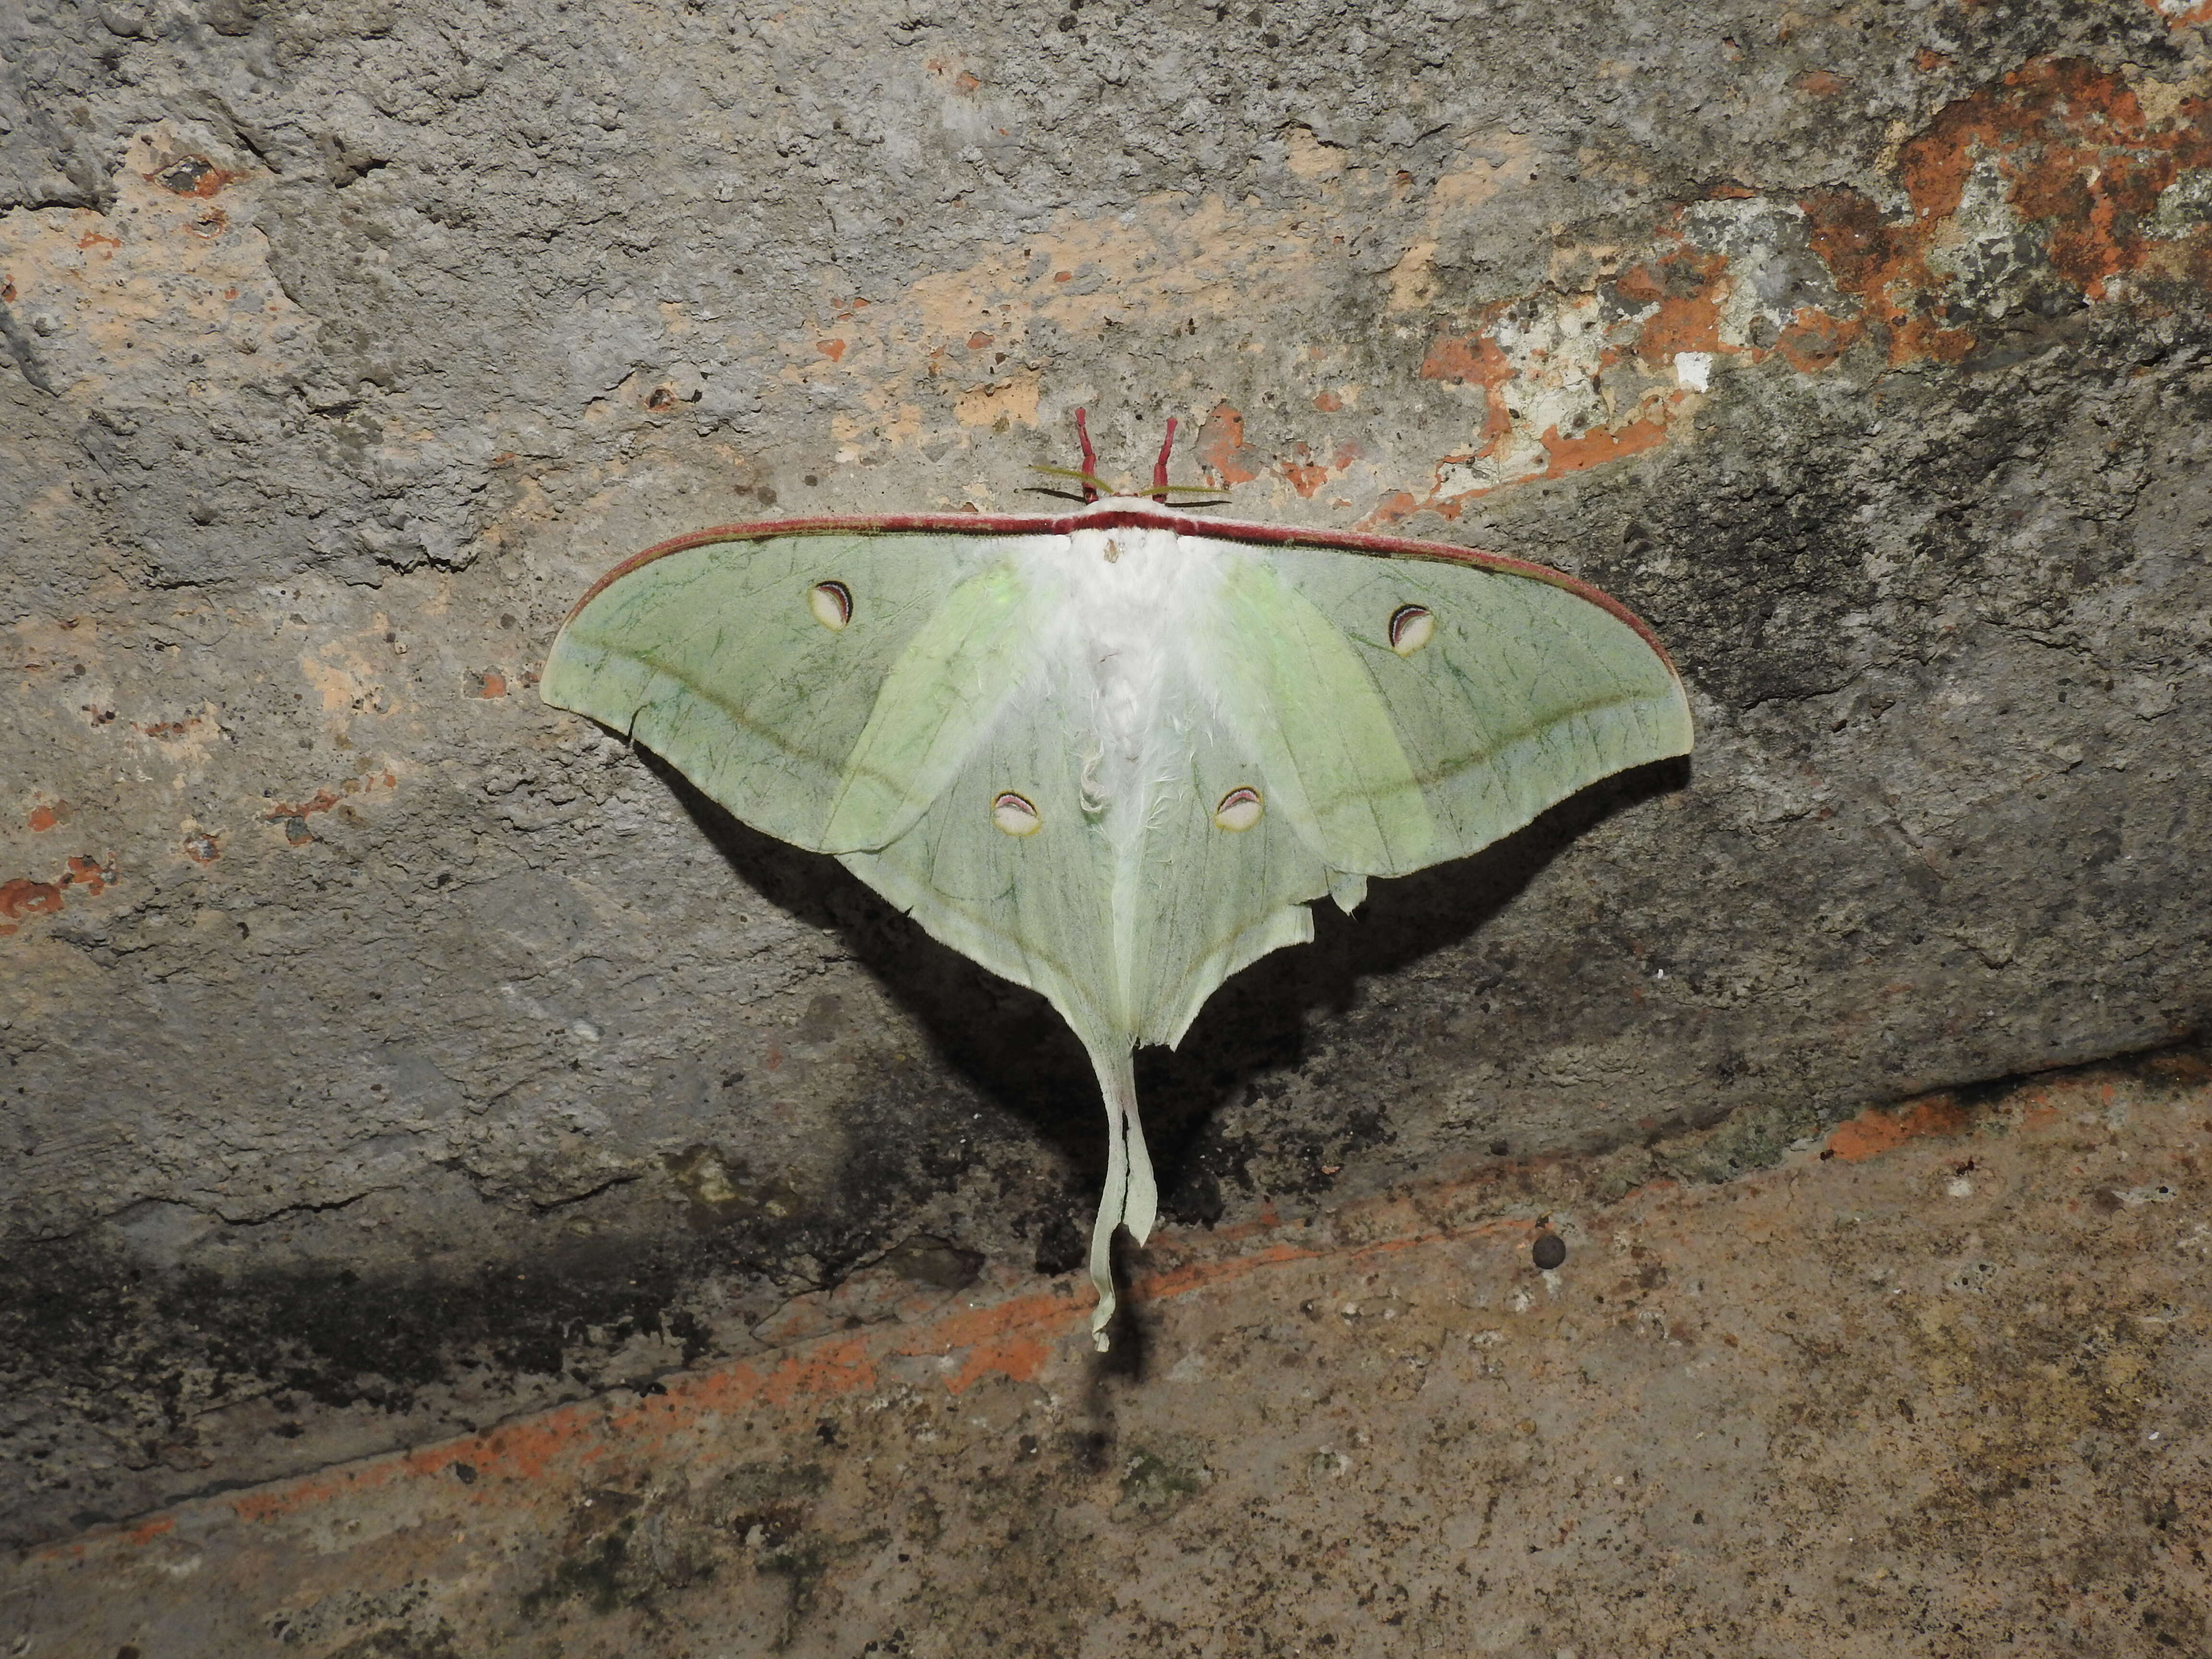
point(386, 1056)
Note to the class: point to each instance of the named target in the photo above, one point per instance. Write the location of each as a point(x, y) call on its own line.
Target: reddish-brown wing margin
point(1226, 530)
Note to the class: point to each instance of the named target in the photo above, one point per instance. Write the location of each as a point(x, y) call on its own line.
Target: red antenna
point(1160, 466)
point(1090, 458)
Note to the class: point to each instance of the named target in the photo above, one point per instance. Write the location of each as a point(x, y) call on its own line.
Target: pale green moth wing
point(799, 679)
point(1112, 756)
point(1500, 695)
point(1106, 882)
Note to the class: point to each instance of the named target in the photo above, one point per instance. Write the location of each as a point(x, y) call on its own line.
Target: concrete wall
point(1934, 1384)
point(386, 1054)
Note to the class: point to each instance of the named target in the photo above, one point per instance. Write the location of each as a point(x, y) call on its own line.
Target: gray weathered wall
point(386, 1052)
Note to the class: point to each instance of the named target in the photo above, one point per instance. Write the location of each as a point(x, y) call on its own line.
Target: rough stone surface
point(1935, 1385)
point(386, 1055)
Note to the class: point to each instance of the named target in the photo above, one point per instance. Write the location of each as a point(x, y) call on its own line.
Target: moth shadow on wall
point(1016, 1051)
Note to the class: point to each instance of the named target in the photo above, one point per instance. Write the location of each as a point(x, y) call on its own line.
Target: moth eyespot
point(1239, 809)
point(1411, 626)
point(831, 603)
point(1013, 814)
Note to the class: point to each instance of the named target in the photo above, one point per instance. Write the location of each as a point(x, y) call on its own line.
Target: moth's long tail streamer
point(1130, 1199)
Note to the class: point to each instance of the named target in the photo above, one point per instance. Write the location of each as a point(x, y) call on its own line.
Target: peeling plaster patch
point(1310, 159)
point(2045, 187)
point(1412, 285)
point(157, 273)
point(2056, 179)
point(1306, 473)
point(1221, 449)
point(907, 367)
point(347, 678)
point(1566, 383)
point(2182, 14)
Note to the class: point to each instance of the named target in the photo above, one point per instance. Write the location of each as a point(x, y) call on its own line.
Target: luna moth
point(1112, 754)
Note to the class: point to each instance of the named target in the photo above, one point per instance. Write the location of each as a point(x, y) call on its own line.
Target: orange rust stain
point(845, 1366)
point(1474, 360)
point(1463, 357)
point(1327, 402)
point(89, 874)
point(1879, 1131)
point(1020, 1355)
point(1305, 475)
point(1594, 448)
point(46, 817)
point(23, 896)
point(268, 1504)
point(489, 683)
point(1927, 62)
point(833, 350)
point(1640, 283)
point(1012, 1339)
point(525, 1450)
point(1687, 286)
point(1818, 82)
point(966, 80)
point(1813, 339)
point(2078, 156)
point(145, 1532)
point(1691, 322)
point(1397, 505)
point(290, 813)
point(203, 849)
point(978, 340)
point(323, 801)
point(93, 237)
point(1221, 447)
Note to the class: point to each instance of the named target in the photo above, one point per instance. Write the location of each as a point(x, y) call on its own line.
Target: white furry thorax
point(1126, 601)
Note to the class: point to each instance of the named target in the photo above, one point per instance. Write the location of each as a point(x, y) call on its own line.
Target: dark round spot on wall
point(1548, 1251)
